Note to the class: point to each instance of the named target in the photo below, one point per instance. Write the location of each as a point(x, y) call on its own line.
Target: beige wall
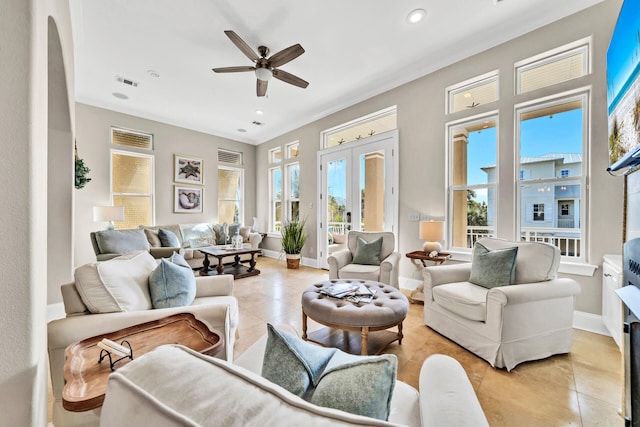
point(93, 140)
point(421, 124)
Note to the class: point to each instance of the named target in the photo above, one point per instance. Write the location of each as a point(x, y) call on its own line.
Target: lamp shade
point(108, 213)
point(431, 231)
point(263, 74)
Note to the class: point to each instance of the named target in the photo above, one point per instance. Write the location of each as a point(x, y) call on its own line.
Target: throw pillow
point(328, 377)
point(168, 238)
point(172, 283)
point(367, 253)
point(121, 241)
point(119, 284)
point(493, 268)
point(201, 242)
point(196, 231)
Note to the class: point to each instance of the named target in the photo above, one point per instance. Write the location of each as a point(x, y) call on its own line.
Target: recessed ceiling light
point(153, 73)
point(120, 95)
point(259, 112)
point(242, 130)
point(416, 16)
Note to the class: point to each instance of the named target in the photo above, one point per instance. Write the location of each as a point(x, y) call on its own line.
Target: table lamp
point(108, 214)
point(431, 232)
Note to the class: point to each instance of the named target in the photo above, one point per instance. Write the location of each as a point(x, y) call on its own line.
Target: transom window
point(471, 93)
point(363, 127)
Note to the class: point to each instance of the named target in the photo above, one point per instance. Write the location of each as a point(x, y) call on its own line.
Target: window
point(131, 138)
point(363, 127)
point(230, 191)
point(552, 67)
point(275, 155)
point(293, 191)
point(471, 93)
point(538, 212)
point(551, 136)
point(132, 187)
point(472, 180)
point(293, 150)
point(275, 190)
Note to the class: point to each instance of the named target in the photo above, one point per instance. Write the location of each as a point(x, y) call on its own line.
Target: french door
point(358, 190)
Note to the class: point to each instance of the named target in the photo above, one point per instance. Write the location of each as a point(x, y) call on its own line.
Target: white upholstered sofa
point(505, 325)
point(174, 386)
point(214, 304)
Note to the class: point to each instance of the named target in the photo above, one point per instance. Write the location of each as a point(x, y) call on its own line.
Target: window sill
point(566, 267)
point(274, 234)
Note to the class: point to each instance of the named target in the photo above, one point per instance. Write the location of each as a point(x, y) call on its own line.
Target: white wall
point(93, 140)
point(23, 220)
point(421, 124)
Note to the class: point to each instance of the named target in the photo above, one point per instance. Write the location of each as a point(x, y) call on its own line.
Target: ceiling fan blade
point(244, 47)
point(290, 78)
point(285, 55)
point(261, 87)
point(232, 69)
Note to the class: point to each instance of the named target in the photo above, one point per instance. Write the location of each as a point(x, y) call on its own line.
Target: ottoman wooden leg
point(304, 326)
point(400, 336)
point(364, 343)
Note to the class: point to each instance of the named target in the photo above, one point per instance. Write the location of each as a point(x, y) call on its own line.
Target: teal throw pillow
point(328, 377)
point(168, 239)
point(493, 268)
point(367, 253)
point(172, 283)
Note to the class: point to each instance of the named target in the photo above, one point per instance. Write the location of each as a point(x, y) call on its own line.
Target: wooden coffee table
point(86, 379)
point(236, 268)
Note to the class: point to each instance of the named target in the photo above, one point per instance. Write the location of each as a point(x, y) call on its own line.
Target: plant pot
point(293, 261)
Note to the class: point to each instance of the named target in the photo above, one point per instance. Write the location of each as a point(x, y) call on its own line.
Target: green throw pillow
point(168, 239)
point(492, 268)
point(367, 253)
point(328, 377)
point(172, 283)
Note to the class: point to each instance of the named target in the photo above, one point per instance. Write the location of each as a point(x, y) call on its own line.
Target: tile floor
point(583, 388)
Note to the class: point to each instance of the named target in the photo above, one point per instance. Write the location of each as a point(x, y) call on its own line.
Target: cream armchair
point(341, 264)
point(214, 304)
point(505, 325)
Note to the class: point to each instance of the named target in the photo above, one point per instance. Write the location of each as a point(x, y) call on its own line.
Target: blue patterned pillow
point(328, 377)
point(168, 238)
point(172, 283)
point(493, 268)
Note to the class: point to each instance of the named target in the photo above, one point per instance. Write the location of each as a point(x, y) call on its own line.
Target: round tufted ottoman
point(388, 309)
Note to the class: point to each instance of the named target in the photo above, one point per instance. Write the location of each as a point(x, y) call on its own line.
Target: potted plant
point(293, 239)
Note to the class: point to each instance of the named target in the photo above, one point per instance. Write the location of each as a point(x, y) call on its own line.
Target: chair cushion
point(172, 283)
point(359, 271)
point(368, 253)
point(328, 377)
point(492, 268)
point(463, 298)
point(119, 284)
point(168, 238)
point(121, 241)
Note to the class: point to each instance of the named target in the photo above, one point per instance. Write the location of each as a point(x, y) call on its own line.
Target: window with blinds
point(132, 187)
point(229, 157)
point(230, 195)
point(131, 138)
point(466, 95)
point(556, 66)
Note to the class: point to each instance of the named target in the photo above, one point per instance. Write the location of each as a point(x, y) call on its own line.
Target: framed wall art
point(187, 199)
point(189, 170)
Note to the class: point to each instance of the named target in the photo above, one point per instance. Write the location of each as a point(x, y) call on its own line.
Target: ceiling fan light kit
point(265, 68)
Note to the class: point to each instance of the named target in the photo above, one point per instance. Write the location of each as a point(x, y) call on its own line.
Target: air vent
point(127, 81)
point(257, 123)
point(229, 157)
point(130, 138)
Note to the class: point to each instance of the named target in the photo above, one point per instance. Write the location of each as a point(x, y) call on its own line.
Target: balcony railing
point(568, 240)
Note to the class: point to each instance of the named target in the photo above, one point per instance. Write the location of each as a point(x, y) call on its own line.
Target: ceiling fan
point(265, 68)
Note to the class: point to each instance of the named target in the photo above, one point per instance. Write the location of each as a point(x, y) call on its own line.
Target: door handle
point(348, 221)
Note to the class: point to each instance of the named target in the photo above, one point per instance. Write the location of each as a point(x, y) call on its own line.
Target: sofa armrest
point(446, 395)
point(255, 239)
point(164, 252)
point(539, 291)
point(450, 273)
point(213, 286)
point(337, 260)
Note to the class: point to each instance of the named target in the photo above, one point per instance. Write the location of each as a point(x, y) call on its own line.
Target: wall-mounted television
point(623, 88)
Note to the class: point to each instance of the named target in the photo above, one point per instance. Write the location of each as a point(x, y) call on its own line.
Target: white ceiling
point(354, 49)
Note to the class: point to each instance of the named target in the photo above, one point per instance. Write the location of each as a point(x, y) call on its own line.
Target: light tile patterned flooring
point(583, 388)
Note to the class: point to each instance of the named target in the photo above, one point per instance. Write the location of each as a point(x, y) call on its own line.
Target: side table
point(423, 257)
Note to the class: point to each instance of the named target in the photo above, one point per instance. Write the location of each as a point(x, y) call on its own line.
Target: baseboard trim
point(589, 322)
point(408, 283)
point(308, 262)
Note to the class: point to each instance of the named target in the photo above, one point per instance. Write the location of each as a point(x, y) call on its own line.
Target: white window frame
point(152, 214)
point(327, 133)
point(289, 150)
point(273, 159)
point(583, 94)
point(241, 196)
point(451, 91)
point(272, 226)
point(288, 194)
